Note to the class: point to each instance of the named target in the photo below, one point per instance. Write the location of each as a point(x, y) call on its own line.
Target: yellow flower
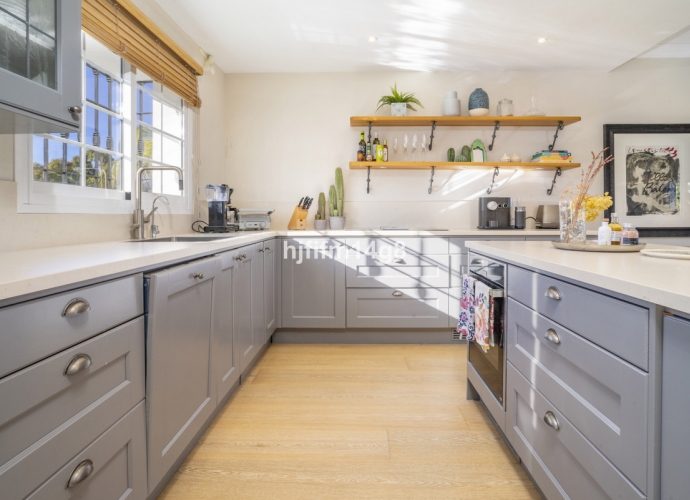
point(596, 204)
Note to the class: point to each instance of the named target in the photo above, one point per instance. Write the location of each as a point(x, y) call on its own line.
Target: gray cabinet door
point(313, 283)
point(406, 271)
point(675, 408)
point(226, 359)
point(40, 73)
point(403, 308)
point(258, 316)
point(245, 302)
point(180, 386)
point(270, 295)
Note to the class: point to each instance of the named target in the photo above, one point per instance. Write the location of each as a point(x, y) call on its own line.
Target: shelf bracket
point(431, 181)
point(497, 125)
point(369, 131)
point(558, 129)
point(368, 173)
point(493, 179)
point(431, 138)
point(553, 182)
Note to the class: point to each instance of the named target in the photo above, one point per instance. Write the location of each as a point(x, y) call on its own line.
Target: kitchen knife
point(309, 203)
point(300, 202)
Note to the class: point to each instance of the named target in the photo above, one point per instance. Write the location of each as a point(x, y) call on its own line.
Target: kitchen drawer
point(602, 395)
point(563, 463)
point(119, 465)
point(410, 271)
point(34, 330)
point(385, 246)
point(617, 326)
point(46, 417)
point(404, 308)
point(459, 245)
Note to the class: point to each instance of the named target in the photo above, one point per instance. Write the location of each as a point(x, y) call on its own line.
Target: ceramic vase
point(399, 109)
point(478, 103)
point(320, 224)
point(337, 222)
point(451, 104)
point(573, 223)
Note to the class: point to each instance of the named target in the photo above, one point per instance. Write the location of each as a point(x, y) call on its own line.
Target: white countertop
point(27, 272)
point(661, 281)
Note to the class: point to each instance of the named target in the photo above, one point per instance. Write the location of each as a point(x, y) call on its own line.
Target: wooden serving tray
point(593, 247)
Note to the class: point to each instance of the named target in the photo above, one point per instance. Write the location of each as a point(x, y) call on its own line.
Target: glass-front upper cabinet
point(40, 70)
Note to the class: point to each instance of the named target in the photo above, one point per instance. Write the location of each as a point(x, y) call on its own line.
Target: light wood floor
point(353, 422)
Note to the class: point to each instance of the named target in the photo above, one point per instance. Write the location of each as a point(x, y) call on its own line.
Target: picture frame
point(649, 177)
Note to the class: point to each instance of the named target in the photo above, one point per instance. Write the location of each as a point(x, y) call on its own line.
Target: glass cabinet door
point(39, 57)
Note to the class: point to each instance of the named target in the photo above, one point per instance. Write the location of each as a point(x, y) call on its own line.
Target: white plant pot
point(399, 109)
point(337, 222)
point(451, 104)
point(320, 224)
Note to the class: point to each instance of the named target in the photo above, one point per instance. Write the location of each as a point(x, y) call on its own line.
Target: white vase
point(337, 222)
point(399, 109)
point(451, 104)
point(320, 224)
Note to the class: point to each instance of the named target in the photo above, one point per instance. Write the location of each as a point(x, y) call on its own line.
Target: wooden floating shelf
point(444, 165)
point(462, 121)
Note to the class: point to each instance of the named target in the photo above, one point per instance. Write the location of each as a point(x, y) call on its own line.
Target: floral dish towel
point(482, 315)
point(466, 319)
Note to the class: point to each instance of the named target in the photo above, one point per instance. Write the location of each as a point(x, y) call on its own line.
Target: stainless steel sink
point(184, 239)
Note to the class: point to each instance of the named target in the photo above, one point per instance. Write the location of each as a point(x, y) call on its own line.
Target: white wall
point(287, 132)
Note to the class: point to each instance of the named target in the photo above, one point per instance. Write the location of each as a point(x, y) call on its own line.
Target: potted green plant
point(399, 102)
point(320, 219)
point(336, 201)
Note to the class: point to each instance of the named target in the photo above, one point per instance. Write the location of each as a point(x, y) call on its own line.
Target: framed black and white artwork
point(649, 177)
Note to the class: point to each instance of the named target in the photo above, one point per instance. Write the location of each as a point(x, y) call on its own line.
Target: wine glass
point(395, 148)
point(423, 147)
point(405, 142)
point(414, 147)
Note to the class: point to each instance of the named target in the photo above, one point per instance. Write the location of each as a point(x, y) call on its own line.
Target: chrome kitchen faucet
point(139, 218)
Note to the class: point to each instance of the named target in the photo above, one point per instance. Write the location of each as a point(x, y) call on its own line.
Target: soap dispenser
point(605, 233)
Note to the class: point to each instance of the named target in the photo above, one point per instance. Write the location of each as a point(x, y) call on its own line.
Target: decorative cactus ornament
point(321, 212)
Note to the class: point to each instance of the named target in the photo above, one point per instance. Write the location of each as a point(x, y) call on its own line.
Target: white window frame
point(54, 198)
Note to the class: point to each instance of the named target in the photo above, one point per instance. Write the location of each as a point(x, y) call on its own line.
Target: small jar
point(629, 235)
point(505, 107)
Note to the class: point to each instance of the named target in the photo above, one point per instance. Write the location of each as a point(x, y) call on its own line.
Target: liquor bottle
point(376, 141)
point(616, 229)
point(385, 150)
point(362, 150)
point(369, 156)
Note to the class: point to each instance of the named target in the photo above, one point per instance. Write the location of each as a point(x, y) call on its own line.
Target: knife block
point(298, 219)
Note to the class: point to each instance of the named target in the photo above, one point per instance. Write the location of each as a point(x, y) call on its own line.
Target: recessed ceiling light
point(541, 40)
point(372, 38)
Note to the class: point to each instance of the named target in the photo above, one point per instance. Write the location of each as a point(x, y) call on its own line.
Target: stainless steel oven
point(486, 367)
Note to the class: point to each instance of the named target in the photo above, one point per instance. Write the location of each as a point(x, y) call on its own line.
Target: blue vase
point(478, 100)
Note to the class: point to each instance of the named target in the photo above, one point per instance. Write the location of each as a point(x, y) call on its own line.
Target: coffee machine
point(218, 198)
point(494, 213)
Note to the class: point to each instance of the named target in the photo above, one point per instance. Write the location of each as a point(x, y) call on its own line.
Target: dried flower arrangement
point(578, 196)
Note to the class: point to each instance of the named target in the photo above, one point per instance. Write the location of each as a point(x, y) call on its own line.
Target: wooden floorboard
point(353, 422)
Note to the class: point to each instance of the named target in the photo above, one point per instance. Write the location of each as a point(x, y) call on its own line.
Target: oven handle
point(496, 293)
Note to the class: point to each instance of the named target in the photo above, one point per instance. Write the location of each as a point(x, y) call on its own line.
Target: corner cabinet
point(180, 386)
point(313, 283)
point(40, 66)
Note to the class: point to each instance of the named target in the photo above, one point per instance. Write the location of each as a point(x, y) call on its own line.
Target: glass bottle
point(376, 141)
point(362, 149)
point(385, 150)
point(616, 229)
point(629, 235)
point(505, 107)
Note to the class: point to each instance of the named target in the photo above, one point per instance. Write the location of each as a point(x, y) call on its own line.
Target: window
point(128, 121)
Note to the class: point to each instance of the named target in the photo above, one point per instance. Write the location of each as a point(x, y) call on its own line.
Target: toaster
point(547, 217)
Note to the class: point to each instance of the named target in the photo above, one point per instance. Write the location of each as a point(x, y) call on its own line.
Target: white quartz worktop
point(660, 281)
point(27, 272)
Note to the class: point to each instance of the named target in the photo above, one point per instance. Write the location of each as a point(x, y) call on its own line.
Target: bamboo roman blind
point(125, 30)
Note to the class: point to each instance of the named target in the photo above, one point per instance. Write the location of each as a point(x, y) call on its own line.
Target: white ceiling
point(676, 46)
point(248, 36)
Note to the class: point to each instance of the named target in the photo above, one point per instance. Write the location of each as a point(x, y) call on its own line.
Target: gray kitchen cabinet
point(226, 327)
point(250, 330)
point(180, 383)
point(40, 66)
point(313, 283)
point(270, 255)
point(404, 271)
point(675, 408)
